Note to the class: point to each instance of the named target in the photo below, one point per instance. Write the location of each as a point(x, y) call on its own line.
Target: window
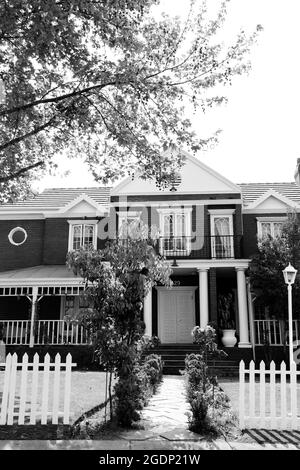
point(222, 239)
point(128, 224)
point(175, 229)
point(82, 235)
point(269, 227)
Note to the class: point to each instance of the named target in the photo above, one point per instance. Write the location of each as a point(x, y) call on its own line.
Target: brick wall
point(55, 241)
point(26, 255)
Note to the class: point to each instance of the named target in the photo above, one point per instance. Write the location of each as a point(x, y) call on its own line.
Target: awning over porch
point(48, 279)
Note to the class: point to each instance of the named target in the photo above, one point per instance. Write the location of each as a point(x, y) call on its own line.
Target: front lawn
point(87, 392)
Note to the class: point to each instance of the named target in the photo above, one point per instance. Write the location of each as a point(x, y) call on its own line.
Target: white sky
point(260, 123)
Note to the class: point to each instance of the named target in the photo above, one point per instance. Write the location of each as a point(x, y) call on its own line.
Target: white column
point(243, 308)
point(33, 311)
point(203, 296)
point(148, 313)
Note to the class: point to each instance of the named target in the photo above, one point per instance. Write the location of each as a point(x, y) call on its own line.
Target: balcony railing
point(51, 332)
point(208, 247)
point(269, 331)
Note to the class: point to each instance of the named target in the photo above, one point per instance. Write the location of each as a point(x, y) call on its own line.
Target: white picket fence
point(269, 398)
point(34, 392)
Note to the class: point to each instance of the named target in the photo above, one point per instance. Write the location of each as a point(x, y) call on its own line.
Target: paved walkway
point(165, 427)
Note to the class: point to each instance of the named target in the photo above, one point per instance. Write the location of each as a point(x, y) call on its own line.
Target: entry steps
point(173, 357)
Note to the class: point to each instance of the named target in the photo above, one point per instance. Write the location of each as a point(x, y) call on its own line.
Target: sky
point(260, 124)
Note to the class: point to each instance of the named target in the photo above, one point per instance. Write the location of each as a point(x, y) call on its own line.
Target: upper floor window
point(82, 235)
point(175, 229)
point(222, 236)
point(269, 227)
point(128, 223)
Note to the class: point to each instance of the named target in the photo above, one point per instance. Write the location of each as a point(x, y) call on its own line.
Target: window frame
point(83, 223)
point(272, 221)
point(175, 211)
point(216, 214)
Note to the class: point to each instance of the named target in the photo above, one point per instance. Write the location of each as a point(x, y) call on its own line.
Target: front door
point(176, 314)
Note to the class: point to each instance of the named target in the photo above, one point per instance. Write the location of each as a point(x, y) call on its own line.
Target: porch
point(40, 306)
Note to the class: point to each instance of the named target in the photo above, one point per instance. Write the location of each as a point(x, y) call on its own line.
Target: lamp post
point(289, 274)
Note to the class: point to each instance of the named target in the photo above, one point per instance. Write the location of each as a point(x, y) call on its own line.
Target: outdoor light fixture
point(289, 274)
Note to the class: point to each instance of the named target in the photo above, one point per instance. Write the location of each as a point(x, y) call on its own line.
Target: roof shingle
point(253, 191)
point(55, 198)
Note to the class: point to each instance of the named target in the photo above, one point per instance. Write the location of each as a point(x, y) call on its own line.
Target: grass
point(87, 391)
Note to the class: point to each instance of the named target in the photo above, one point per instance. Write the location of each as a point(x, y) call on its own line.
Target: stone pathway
point(165, 421)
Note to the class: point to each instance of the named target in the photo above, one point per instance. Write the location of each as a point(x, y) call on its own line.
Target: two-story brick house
point(208, 230)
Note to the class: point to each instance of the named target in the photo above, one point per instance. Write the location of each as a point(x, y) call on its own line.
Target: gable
point(83, 205)
point(272, 203)
point(195, 178)
point(80, 207)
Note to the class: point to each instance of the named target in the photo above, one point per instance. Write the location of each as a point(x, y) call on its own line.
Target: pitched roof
point(253, 191)
point(55, 198)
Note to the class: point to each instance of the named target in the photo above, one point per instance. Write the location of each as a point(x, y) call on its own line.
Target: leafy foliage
point(108, 81)
point(117, 281)
point(266, 268)
point(210, 407)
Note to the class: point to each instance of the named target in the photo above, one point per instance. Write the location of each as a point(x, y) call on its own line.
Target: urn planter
point(229, 339)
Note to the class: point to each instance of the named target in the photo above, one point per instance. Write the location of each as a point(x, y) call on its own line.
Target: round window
point(17, 236)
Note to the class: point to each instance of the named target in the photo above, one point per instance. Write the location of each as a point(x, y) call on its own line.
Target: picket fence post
point(23, 391)
point(293, 382)
point(251, 393)
point(45, 394)
point(262, 393)
point(283, 398)
point(6, 389)
point(12, 389)
point(67, 389)
point(242, 395)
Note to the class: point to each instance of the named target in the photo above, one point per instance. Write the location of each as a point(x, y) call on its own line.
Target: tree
point(265, 271)
point(105, 80)
point(117, 281)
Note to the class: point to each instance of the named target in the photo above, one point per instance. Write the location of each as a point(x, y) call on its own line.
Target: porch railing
point(271, 332)
point(51, 332)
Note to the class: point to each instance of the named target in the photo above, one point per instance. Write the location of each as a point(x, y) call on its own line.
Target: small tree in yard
point(117, 280)
point(266, 268)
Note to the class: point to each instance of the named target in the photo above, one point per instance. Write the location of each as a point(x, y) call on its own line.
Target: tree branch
point(20, 172)
point(35, 131)
point(55, 99)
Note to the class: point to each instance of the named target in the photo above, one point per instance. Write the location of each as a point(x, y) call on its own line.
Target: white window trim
point(215, 214)
point(187, 211)
point(270, 220)
point(82, 222)
point(11, 235)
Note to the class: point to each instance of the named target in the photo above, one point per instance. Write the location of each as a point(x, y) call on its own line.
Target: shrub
point(210, 407)
point(153, 367)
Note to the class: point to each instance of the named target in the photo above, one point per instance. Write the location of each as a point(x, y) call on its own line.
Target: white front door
point(176, 314)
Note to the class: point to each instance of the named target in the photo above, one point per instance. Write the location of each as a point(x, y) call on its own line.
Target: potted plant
point(227, 323)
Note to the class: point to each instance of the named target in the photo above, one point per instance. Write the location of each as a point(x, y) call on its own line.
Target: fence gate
point(35, 392)
point(269, 398)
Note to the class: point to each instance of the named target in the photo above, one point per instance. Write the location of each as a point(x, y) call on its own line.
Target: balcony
point(208, 247)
